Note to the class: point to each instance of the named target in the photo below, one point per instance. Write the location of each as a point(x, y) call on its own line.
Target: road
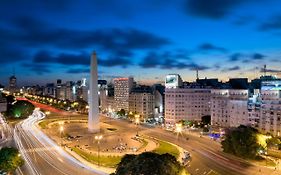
point(206, 153)
point(42, 156)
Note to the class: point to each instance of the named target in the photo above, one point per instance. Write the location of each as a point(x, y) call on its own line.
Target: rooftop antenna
point(264, 70)
point(13, 71)
point(197, 74)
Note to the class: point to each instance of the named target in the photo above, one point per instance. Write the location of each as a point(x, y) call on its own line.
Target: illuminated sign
point(271, 85)
point(172, 81)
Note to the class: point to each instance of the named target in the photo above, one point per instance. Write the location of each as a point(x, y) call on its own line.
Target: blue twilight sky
point(46, 40)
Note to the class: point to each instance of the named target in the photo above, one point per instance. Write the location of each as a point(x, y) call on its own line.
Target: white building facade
point(186, 104)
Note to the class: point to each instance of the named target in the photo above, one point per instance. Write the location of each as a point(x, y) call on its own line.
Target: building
point(49, 90)
point(12, 84)
point(122, 89)
point(141, 102)
point(159, 102)
point(186, 104)
point(270, 111)
point(229, 107)
point(3, 103)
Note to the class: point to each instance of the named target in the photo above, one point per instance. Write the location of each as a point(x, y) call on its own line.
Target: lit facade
point(142, 103)
point(270, 112)
point(186, 104)
point(122, 89)
point(229, 107)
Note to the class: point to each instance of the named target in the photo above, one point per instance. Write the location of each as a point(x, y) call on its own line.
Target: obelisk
point(93, 99)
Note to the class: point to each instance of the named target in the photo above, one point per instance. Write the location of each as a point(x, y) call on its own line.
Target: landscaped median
point(112, 161)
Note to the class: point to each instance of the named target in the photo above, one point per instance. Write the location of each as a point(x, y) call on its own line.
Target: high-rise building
point(186, 104)
point(49, 90)
point(229, 107)
point(270, 111)
point(122, 89)
point(141, 102)
point(12, 84)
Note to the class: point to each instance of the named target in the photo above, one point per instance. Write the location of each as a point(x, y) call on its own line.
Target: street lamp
point(98, 138)
point(178, 129)
point(137, 121)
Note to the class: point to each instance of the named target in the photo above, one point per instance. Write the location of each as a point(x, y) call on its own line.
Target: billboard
point(172, 81)
point(271, 85)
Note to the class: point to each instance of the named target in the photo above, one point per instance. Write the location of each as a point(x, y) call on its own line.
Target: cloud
point(274, 23)
point(81, 58)
point(62, 58)
point(40, 69)
point(114, 61)
point(206, 47)
point(234, 68)
point(235, 57)
point(112, 39)
point(258, 56)
point(168, 60)
point(78, 70)
point(212, 9)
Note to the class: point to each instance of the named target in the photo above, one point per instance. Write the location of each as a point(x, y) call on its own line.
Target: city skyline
point(48, 41)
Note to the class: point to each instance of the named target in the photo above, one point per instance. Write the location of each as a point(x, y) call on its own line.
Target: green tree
point(273, 142)
point(206, 120)
point(242, 142)
point(10, 159)
point(150, 163)
point(122, 112)
point(21, 109)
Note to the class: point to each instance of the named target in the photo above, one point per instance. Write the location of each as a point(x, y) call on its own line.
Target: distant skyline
point(147, 39)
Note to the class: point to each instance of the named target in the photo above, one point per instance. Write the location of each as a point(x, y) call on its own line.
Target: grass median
point(106, 161)
point(165, 147)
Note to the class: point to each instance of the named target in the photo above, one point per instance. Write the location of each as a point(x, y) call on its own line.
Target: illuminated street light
point(178, 129)
point(98, 138)
point(137, 122)
point(47, 112)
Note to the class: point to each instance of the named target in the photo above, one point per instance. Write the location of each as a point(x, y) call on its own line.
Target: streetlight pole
point(137, 120)
point(98, 138)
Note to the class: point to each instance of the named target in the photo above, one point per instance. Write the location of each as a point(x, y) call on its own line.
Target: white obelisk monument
point(93, 99)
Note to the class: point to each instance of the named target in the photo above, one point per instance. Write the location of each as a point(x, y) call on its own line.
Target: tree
point(242, 142)
point(273, 142)
point(21, 109)
point(150, 163)
point(122, 112)
point(10, 159)
point(206, 120)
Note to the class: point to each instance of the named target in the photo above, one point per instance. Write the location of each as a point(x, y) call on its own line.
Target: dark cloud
point(274, 23)
point(213, 9)
point(78, 59)
point(120, 41)
point(151, 60)
point(205, 47)
point(39, 69)
point(168, 60)
point(258, 56)
point(63, 58)
point(235, 57)
point(234, 68)
point(114, 61)
point(78, 70)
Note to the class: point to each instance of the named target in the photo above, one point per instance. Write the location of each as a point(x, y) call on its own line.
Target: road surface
point(42, 155)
